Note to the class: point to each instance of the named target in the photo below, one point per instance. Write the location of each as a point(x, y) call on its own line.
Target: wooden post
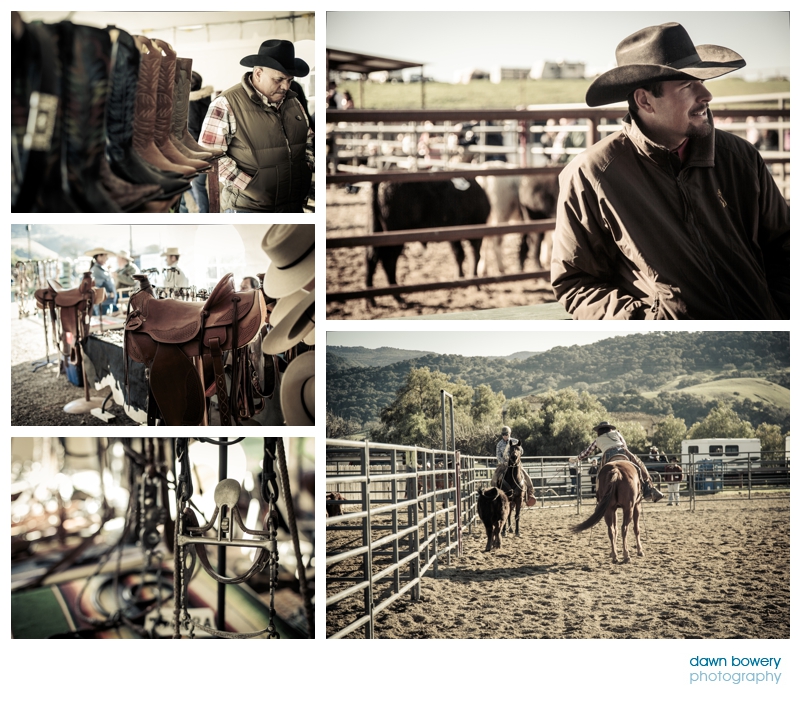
point(213, 182)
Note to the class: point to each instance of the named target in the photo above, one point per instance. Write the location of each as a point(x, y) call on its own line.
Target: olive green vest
point(269, 145)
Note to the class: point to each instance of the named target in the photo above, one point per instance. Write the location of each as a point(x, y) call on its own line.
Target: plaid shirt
point(219, 128)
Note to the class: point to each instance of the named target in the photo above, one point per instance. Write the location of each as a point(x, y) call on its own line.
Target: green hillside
point(754, 389)
point(656, 374)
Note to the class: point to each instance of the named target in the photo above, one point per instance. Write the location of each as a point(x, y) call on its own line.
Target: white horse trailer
point(725, 450)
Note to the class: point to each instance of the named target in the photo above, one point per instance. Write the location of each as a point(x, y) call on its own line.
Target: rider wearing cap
point(502, 454)
point(611, 442)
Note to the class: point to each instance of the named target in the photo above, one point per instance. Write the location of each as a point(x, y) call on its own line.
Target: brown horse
point(513, 485)
point(618, 486)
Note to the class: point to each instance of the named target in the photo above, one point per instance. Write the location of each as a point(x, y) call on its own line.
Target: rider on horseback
point(502, 454)
point(612, 443)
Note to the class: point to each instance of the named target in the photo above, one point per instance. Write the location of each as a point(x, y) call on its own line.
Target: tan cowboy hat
point(309, 338)
point(663, 52)
point(171, 251)
point(99, 250)
point(292, 321)
point(297, 391)
point(124, 253)
point(290, 248)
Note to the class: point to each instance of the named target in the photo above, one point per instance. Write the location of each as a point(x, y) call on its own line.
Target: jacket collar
point(701, 150)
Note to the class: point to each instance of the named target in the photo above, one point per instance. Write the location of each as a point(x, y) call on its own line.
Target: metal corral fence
point(411, 508)
point(404, 509)
point(424, 145)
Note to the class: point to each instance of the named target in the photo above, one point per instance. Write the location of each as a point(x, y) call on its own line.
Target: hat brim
point(96, 252)
point(291, 330)
point(285, 305)
point(297, 396)
point(299, 69)
point(616, 84)
point(280, 283)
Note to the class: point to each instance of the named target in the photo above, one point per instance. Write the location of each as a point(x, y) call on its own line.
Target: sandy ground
point(347, 215)
point(720, 572)
point(37, 398)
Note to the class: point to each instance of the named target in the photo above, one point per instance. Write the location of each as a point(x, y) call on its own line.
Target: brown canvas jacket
point(639, 236)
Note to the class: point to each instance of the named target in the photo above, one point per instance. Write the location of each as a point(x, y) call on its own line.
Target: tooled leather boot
point(145, 112)
point(85, 57)
point(180, 113)
point(123, 158)
point(179, 128)
point(164, 106)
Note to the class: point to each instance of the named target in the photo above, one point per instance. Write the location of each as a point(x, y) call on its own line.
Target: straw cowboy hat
point(99, 250)
point(663, 52)
point(278, 54)
point(171, 251)
point(292, 321)
point(124, 253)
point(290, 248)
point(297, 391)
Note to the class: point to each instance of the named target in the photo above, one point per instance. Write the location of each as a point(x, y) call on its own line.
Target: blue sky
point(451, 41)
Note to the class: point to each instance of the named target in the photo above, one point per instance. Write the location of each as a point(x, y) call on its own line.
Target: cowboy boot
point(128, 196)
point(145, 111)
point(125, 162)
point(179, 129)
point(164, 104)
point(36, 120)
point(85, 59)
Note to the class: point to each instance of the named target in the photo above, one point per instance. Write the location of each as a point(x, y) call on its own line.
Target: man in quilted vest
point(265, 133)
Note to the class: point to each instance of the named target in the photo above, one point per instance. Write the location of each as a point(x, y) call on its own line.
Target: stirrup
point(656, 495)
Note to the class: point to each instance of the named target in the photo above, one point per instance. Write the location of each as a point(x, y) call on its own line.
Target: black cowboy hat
point(604, 426)
point(664, 52)
point(280, 55)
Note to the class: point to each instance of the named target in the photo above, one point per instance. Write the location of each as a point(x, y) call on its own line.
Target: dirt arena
point(720, 572)
point(347, 215)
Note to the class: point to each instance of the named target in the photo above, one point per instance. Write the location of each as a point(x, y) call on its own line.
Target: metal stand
point(222, 474)
point(88, 404)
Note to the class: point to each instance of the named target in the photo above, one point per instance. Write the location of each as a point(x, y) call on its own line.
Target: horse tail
point(601, 507)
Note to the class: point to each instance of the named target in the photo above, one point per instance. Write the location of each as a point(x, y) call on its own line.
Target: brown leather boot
point(145, 111)
point(124, 161)
point(180, 113)
point(164, 108)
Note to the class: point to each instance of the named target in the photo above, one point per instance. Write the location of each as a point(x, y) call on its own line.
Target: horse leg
point(611, 528)
point(637, 528)
point(490, 529)
point(518, 505)
point(624, 530)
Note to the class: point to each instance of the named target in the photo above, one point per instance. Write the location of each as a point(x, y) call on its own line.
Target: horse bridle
point(192, 538)
point(515, 486)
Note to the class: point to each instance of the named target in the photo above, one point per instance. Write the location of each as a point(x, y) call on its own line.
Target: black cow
point(494, 510)
point(449, 203)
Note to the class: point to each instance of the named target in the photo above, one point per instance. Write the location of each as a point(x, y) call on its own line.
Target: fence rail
point(378, 136)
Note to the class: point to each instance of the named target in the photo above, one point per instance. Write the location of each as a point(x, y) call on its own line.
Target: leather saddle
point(182, 344)
point(72, 308)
